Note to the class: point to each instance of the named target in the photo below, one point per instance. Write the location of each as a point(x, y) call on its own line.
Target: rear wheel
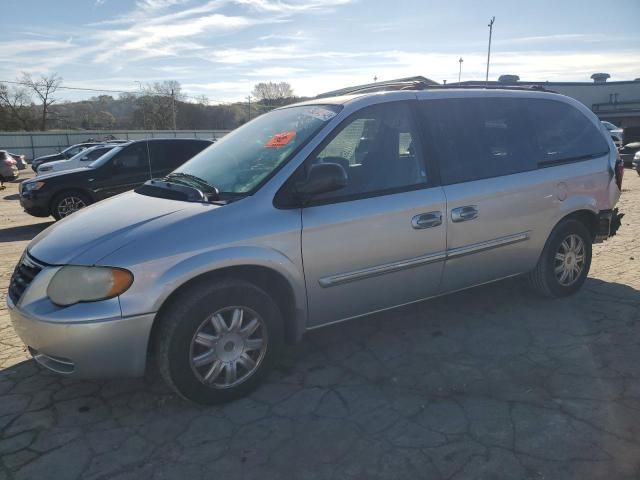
point(66, 203)
point(565, 261)
point(215, 343)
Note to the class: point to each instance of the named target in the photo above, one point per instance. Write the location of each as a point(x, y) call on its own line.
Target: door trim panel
point(489, 244)
point(341, 278)
point(368, 272)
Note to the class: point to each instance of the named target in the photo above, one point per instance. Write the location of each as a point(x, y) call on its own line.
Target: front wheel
point(565, 261)
point(216, 342)
point(66, 203)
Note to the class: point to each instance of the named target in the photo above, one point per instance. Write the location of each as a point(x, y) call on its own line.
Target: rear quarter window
point(563, 134)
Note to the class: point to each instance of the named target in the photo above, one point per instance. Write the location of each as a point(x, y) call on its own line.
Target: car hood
point(43, 176)
point(46, 157)
point(58, 162)
point(94, 232)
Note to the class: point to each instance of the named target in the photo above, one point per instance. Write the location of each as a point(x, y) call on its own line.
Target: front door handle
point(426, 220)
point(462, 214)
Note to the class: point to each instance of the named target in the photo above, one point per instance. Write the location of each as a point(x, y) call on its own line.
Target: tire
point(67, 201)
point(191, 315)
point(547, 277)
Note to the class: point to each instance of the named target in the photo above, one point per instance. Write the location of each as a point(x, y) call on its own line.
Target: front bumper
point(84, 344)
point(34, 204)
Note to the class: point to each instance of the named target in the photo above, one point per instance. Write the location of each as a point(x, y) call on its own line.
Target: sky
point(222, 48)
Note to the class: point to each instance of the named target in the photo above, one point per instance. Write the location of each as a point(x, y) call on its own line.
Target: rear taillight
point(619, 169)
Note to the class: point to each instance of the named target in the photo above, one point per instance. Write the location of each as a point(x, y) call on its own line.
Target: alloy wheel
point(569, 260)
point(228, 347)
point(69, 204)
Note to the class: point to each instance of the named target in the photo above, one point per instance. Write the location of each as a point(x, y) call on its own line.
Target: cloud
point(278, 6)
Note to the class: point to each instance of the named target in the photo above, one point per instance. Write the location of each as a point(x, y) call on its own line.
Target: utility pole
point(486, 80)
point(173, 107)
point(144, 115)
point(249, 100)
point(460, 70)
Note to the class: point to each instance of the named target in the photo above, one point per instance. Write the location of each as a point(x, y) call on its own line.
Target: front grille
point(23, 275)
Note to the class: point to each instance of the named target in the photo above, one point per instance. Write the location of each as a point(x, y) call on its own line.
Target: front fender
point(186, 269)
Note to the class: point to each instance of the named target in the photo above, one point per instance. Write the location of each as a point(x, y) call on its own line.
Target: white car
point(82, 159)
point(617, 133)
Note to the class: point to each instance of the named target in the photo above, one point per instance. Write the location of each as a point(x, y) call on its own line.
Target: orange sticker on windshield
point(279, 140)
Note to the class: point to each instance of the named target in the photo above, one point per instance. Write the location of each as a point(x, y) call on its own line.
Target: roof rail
point(408, 83)
point(538, 88)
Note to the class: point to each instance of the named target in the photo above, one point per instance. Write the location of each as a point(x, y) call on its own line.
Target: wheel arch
point(272, 281)
point(587, 217)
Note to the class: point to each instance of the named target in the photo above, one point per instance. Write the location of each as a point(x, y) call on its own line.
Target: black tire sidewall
point(562, 231)
point(192, 314)
point(61, 196)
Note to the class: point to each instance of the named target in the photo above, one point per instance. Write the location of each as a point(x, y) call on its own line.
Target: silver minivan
point(313, 214)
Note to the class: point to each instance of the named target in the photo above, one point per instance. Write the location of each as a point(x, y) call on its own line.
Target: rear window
point(563, 133)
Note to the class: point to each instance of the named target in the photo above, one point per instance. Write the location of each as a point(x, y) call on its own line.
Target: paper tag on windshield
point(320, 113)
point(279, 140)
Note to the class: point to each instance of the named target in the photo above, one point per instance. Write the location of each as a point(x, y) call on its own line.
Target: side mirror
point(322, 178)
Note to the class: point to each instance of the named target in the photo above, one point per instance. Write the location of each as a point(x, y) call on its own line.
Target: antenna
point(146, 142)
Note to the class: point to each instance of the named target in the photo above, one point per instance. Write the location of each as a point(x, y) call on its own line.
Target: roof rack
point(538, 88)
point(408, 83)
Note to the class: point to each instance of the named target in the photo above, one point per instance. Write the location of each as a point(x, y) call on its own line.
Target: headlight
point(31, 186)
point(74, 284)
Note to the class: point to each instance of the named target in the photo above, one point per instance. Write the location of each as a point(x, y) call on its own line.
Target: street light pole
point(486, 80)
point(460, 70)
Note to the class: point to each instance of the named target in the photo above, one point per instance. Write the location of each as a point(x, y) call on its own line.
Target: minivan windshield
point(241, 160)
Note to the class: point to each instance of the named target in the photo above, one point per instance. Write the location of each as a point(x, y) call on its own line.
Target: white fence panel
point(36, 144)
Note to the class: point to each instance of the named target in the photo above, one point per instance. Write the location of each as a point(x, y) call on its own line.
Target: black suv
point(123, 168)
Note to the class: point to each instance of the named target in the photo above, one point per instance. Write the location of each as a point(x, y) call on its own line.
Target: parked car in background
point(63, 155)
point(280, 228)
point(82, 159)
point(123, 168)
point(21, 161)
point(628, 152)
point(617, 133)
point(635, 164)
point(8, 167)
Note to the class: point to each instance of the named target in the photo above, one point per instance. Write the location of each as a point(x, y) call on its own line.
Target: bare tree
point(18, 102)
point(202, 100)
point(271, 93)
point(159, 103)
point(44, 88)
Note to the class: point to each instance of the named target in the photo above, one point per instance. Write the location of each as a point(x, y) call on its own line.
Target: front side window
point(241, 160)
point(476, 138)
point(132, 159)
point(378, 149)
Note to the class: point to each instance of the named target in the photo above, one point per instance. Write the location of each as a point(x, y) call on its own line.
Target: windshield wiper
point(193, 179)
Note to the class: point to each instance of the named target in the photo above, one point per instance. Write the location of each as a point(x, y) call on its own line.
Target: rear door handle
point(426, 220)
point(463, 214)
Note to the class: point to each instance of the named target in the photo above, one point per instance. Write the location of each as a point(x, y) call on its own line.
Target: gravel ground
point(493, 383)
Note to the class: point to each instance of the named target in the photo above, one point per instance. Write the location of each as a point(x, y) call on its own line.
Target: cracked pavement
point(493, 382)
